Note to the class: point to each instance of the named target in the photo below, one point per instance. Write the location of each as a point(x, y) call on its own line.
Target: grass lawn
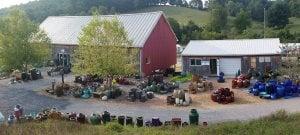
point(181, 14)
point(279, 123)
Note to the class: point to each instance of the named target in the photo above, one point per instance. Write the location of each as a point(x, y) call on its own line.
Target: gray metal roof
point(65, 30)
point(238, 47)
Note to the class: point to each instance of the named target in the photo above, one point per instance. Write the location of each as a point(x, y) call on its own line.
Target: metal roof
point(65, 30)
point(238, 47)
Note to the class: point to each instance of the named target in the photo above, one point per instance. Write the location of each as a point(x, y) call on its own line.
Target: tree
point(256, 8)
point(190, 31)
point(104, 49)
point(196, 4)
point(176, 27)
point(278, 14)
point(286, 36)
point(179, 2)
point(172, 2)
point(219, 16)
point(185, 3)
point(242, 21)
point(22, 43)
point(294, 7)
point(233, 8)
point(291, 68)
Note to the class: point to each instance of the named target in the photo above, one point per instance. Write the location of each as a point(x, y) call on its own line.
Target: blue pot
point(255, 92)
point(273, 96)
point(262, 88)
point(288, 83)
point(280, 90)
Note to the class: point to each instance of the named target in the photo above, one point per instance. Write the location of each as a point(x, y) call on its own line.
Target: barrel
point(139, 122)
point(194, 117)
point(106, 117)
point(95, 119)
point(121, 120)
point(129, 121)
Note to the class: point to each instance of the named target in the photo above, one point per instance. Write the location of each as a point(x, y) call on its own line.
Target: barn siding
point(160, 48)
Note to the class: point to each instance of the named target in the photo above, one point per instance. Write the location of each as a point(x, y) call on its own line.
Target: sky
point(8, 3)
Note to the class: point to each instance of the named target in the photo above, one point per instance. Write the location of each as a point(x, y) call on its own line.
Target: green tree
point(286, 36)
point(294, 7)
point(233, 8)
point(256, 8)
point(196, 4)
point(278, 14)
point(219, 18)
point(104, 49)
point(176, 27)
point(242, 21)
point(22, 43)
point(190, 31)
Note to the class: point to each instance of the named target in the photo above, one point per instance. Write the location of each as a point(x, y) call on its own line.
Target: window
point(253, 62)
point(148, 60)
point(195, 62)
point(264, 59)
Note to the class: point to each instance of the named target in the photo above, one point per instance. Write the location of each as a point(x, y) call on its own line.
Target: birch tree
point(104, 49)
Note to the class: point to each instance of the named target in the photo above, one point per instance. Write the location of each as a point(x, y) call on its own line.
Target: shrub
point(115, 127)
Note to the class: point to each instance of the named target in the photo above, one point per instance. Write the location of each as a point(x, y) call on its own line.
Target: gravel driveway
point(24, 94)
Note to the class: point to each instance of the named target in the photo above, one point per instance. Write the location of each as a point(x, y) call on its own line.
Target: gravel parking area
point(26, 95)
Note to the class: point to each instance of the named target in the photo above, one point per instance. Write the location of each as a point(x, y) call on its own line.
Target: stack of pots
point(242, 81)
point(194, 117)
point(139, 122)
point(200, 87)
point(176, 122)
point(121, 120)
point(275, 90)
point(18, 112)
point(223, 96)
point(221, 78)
point(106, 117)
point(129, 121)
point(141, 95)
point(180, 97)
point(80, 118)
point(95, 119)
point(156, 122)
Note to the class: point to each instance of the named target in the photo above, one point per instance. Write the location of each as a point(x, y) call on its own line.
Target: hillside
point(294, 25)
point(181, 14)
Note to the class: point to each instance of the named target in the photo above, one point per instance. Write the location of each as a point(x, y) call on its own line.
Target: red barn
point(150, 32)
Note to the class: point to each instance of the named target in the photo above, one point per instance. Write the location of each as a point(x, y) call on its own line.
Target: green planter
point(194, 117)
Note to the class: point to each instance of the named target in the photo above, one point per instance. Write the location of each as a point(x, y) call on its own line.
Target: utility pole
point(264, 22)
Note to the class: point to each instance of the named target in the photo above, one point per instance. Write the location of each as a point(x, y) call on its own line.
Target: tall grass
point(279, 123)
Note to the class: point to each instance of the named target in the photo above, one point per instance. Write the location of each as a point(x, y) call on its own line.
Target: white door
point(230, 66)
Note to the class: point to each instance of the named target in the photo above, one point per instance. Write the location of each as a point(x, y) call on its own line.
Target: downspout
point(140, 70)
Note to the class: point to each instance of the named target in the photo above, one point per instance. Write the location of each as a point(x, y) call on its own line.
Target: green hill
point(181, 14)
point(294, 25)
